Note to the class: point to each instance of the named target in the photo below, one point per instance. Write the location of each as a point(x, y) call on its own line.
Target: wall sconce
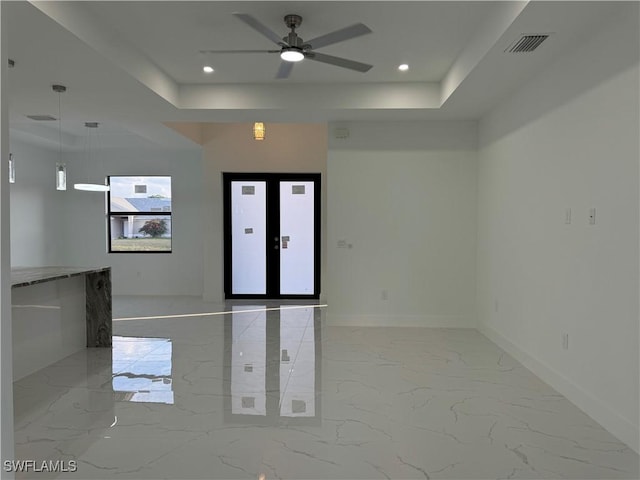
point(12, 169)
point(258, 131)
point(61, 176)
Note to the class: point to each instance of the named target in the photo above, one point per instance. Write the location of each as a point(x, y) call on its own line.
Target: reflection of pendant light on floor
point(61, 168)
point(90, 187)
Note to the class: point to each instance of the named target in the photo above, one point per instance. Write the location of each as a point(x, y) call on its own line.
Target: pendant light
point(90, 187)
point(61, 168)
point(12, 169)
point(61, 176)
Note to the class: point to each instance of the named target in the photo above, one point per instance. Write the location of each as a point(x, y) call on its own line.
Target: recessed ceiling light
point(403, 68)
point(207, 69)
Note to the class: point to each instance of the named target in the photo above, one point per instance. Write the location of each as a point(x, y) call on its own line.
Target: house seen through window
point(139, 214)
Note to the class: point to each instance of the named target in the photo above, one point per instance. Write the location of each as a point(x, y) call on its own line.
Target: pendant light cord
point(59, 130)
point(87, 147)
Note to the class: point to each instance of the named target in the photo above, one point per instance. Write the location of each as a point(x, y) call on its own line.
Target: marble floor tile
point(280, 395)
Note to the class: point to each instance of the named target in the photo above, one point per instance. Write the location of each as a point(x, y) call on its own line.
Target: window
point(139, 214)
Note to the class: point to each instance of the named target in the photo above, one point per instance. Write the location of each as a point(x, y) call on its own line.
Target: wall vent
point(341, 133)
point(42, 118)
point(527, 43)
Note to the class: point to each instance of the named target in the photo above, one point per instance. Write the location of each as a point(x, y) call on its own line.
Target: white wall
point(568, 139)
point(6, 356)
point(403, 196)
point(231, 148)
point(37, 208)
point(85, 235)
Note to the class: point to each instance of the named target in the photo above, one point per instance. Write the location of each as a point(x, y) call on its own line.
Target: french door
point(272, 235)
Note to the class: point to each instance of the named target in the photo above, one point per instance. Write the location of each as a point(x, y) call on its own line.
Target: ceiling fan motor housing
point(292, 21)
point(292, 39)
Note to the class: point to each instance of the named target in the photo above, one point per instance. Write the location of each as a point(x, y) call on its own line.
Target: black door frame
point(273, 231)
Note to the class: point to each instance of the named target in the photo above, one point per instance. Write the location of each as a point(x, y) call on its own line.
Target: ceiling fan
point(294, 49)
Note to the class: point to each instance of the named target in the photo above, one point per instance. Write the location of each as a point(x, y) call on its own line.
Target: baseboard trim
point(617, 425)
point(390, 320)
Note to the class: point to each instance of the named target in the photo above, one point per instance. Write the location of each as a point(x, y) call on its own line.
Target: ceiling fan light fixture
point(291, 55)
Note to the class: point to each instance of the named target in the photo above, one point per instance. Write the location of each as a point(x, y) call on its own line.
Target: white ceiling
point(134, 65)
point(402, 33)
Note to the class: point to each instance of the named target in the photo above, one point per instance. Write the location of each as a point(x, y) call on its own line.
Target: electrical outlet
point(565, 341)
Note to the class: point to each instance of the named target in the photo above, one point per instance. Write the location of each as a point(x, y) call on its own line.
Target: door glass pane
point(297, 238)
point(248, 233)
point(248, 364)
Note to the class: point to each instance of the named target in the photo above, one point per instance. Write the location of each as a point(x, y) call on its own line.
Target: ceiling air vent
point(527, 43)
point(42, 118)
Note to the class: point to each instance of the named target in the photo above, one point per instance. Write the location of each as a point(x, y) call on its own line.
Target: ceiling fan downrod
point(292, 22)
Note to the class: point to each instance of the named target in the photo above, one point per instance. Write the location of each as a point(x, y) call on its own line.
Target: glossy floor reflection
point(278, 394)
point(141, 369)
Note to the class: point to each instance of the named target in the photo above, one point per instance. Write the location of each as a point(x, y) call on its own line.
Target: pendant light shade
point(12, 169)
point(91, 187)
point(61, 176)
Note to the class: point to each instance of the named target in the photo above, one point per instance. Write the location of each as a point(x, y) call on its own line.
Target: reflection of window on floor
point(142, 369)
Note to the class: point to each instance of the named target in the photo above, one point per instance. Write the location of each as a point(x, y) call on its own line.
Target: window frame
point(155, 214)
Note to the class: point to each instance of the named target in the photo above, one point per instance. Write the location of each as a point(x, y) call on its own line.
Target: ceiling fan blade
point(260, 28)
point(239, 51)
point(341, 35)
point(285, 70)
point(339, 62)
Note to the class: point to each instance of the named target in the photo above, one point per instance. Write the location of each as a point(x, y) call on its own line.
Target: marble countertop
point(24, 276)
